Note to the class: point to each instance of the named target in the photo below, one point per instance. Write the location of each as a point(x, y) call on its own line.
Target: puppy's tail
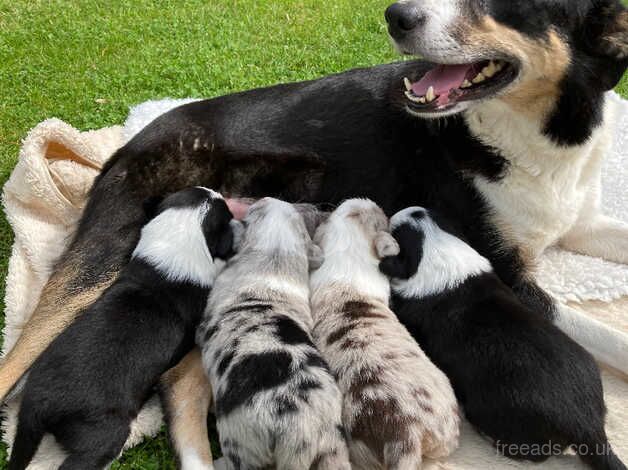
point(603, 458)
point(27, 439)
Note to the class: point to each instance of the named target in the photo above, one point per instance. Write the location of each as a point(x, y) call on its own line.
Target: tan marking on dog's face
point(186, 394)
point(543, 62)
point(58, 307)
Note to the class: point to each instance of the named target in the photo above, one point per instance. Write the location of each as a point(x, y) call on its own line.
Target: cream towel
point(43, 200)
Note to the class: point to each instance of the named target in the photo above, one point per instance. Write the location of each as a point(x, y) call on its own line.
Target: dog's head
point(188, 236)
point(272, 225)
point(357, 225)
point(515, 50)
point(430, 260)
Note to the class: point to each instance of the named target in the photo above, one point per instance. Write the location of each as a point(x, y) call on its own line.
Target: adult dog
point(502, 128)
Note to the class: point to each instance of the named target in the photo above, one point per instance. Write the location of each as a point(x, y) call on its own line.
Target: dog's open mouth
point(444, 86)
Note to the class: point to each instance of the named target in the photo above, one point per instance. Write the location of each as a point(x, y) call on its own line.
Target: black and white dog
point(92, 380)
point(277, 404)
point(521, 381)
point(502, 128)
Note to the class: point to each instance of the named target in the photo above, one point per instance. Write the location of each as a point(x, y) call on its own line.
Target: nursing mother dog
point(502, 127)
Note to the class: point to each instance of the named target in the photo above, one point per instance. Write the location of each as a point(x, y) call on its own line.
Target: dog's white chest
point(546, 187)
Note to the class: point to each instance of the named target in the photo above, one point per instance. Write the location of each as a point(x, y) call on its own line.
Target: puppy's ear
point(385, 245)
point(223, 248)
point(151, 206)
point(405, 264)
point(395, 267)
point(238, 233)
point(315, 256)
point(218, 230)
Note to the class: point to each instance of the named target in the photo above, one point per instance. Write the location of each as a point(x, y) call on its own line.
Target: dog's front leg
point(600, 236)
point(605, 344)
point(186, 396)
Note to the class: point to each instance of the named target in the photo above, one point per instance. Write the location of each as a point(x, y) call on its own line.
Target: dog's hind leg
point(186, 396)
point(95, 444)
point(58, 307)
point(605, 344)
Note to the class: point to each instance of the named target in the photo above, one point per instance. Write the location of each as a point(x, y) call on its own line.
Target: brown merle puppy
point(397, 405)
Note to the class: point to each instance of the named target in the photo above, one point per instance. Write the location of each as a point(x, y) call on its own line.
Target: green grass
point(86, 61)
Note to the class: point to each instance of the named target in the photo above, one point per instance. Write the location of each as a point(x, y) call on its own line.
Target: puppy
point(277, 405)
point(397, 405)
point(522, 382)
point(92, 380)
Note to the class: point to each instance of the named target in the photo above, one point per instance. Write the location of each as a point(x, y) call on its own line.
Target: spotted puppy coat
point(277, 404)
point(397, 405)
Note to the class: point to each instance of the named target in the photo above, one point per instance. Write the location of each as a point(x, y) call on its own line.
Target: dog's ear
point(315, 256)
point(606, 30)
point(385, 245)
point(395, 267)
point(151, 206)
point(237, 228)
point(218, 230)
point(223, 248)
point(613, 40)
point(404, 265)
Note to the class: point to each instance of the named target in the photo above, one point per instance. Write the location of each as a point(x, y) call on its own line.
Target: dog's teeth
point(417, 99)
point(479, 78)
point(489, 70)
point(430, 95)
point(499, 66)
point(466, 84)
point(407, 83)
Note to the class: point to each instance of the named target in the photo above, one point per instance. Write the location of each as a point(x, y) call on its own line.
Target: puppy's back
point(397, 405)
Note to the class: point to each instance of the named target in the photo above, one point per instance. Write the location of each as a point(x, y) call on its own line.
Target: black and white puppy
point(277, 404)
point(521, 381)
point(92, 380)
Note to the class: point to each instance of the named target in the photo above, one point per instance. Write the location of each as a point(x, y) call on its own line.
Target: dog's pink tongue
point(443, 78)
point(239, 207)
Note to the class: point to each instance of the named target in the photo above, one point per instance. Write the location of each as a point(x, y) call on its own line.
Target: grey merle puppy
point(397, 406)
point(277, 405)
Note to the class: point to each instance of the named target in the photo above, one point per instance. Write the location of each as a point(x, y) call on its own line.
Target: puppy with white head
point(397, 405)
point(277, 404)
point(522, 382)
point(92, 380)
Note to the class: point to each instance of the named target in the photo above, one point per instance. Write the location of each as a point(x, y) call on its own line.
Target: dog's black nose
point(402, 18)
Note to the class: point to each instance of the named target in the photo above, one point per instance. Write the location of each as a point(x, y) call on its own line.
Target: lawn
point(86, 61)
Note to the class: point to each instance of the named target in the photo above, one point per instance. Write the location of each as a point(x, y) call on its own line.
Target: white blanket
point(46, 192)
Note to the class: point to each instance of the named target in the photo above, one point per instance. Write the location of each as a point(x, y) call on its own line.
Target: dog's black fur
point(324, 141)
point(91, 382)
point(342, 136)
point(520, 380)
